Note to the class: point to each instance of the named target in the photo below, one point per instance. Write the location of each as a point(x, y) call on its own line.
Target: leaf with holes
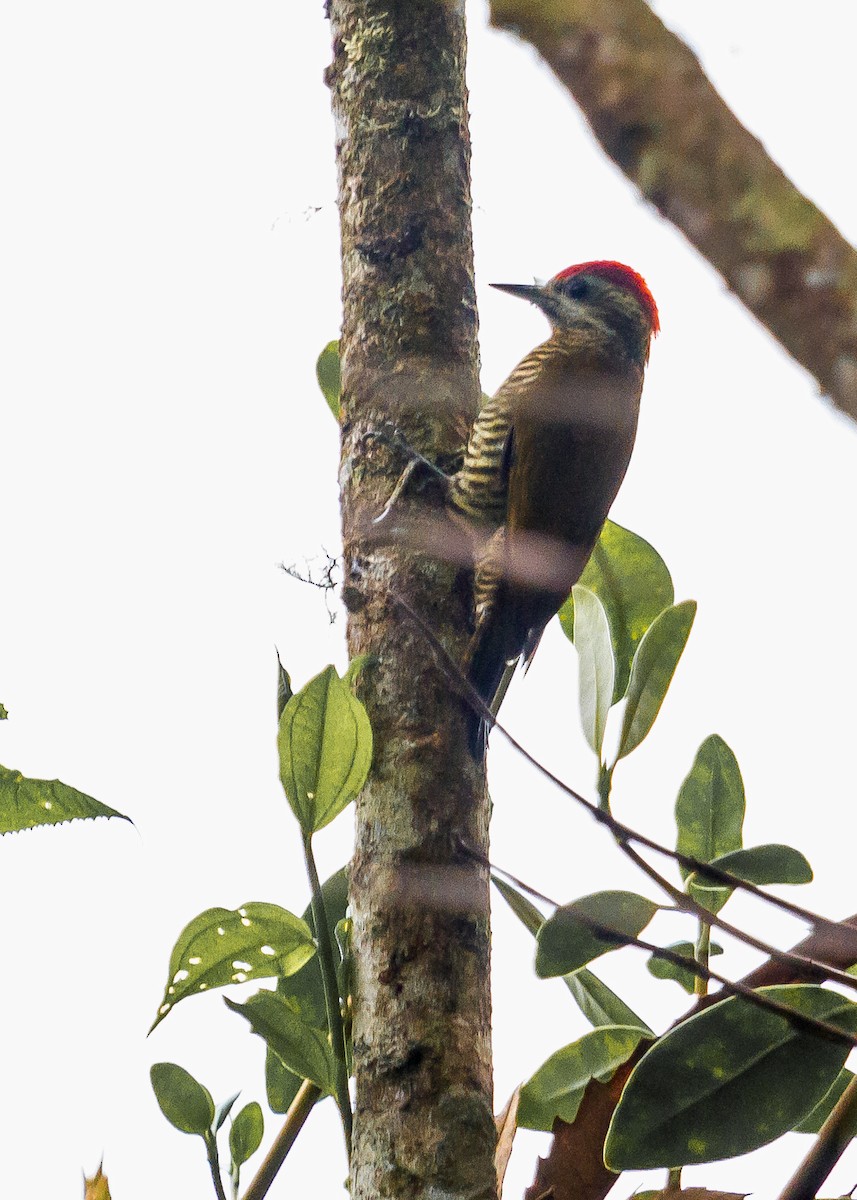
point(245, 1136)
point(223, 946)
point(557, 1088)
point(329, 378)
point(566, 942)
point(302, 1048)
point(183, 1100)
point(596, 666)
point(631, 580)
point(27, 803)
point(728, 1080)
point(325, 745)
point(651, 673)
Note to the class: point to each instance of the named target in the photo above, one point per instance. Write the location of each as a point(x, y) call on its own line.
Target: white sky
point(170, 270)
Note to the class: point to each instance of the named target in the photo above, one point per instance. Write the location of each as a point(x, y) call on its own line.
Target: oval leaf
point(329, 377)
point(596, 669)
point(767, 864)
point(245, 1136)
point(223, 946)
point(26, 803)
point(302, 1048)
point(325, 745)
point(183, 1101)
point(728, 1080)
point(557, 1088)
point(709, 813)
point(567, 942)
point(685, 977)
point(652, 671)
point(631, 580)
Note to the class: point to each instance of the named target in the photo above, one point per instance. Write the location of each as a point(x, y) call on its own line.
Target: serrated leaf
point(566, 943)
point(632, 582)
point(728, 1080)
point(305, 992)
point(814, 1120)
point(709, 815)
point(596, 667)
point(654, 665)
point(26, 803)
point(223, 946)
point(685, 977)
point(302, 1048)
point(557, 1088)
point(245, 1136)
point(325, 746)
point(183, 1100)
point(596, 1001)
point(327, 372)
point(222, 1112)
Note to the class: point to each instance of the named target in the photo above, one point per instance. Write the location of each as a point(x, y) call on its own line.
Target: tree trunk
point(423, 1120)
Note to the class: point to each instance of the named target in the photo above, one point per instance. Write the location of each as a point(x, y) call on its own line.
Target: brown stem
point(299, 1109)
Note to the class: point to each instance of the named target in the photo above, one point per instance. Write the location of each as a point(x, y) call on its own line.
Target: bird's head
point(606, 294)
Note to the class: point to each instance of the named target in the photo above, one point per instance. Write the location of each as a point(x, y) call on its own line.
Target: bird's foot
point(417, 472)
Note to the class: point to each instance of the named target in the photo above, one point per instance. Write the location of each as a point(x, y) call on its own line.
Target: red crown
point(624, 277)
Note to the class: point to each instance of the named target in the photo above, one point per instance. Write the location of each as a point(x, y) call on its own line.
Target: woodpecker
point(544, 462)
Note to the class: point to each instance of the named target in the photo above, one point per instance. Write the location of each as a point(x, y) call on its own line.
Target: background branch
point(658, 117)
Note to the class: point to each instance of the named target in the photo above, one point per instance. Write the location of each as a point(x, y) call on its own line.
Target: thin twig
point(624, 834)
point(299, 1110)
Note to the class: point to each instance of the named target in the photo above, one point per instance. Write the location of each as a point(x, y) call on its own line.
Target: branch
point(658, 117)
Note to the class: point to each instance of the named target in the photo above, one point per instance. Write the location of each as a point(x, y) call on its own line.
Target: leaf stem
point(331, 990)
point(701, 953)
point(299, 1110)
point(210, 1140)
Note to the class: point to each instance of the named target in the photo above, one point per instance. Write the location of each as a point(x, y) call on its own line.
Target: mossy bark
point(419, 899)
point(659, 118)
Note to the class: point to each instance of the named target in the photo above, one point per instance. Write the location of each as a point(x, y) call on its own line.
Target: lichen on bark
point(419, 898)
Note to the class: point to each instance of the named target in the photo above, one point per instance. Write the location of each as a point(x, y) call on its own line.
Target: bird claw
point(417, 464)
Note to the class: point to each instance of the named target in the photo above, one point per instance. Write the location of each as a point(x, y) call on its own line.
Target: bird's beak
point(526, 291)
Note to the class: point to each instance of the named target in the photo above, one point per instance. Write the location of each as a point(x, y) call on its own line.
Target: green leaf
point(328, 375)
point(652, 671)
point(685, 977)
point(222, 1112)
point(325, 745)
point(631, 580)
point(184, 1102)
point(284, 687)
point(813, 1121)
point(223, 946)
point(26, 803)
point(763, 865)
point(565, 942)
point(305, 992)
point(4, 713)
point(557, 1088)
point(728, 1080)
point(597, 669)
point(596, 1001)
point(599, 1004)
point(245, 1136)
point(302, 1048)
point(709, 814)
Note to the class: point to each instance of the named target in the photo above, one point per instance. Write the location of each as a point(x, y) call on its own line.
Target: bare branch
point(659, 118)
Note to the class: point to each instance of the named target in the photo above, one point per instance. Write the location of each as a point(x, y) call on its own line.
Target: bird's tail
point(485, 673)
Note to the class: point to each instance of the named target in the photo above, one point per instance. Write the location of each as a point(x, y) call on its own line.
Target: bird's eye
point(576, 288)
